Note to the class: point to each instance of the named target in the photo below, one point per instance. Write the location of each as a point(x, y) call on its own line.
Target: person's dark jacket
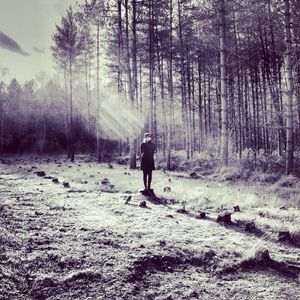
point(147, 161)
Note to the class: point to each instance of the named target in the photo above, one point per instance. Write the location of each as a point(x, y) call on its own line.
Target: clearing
point(68, 234)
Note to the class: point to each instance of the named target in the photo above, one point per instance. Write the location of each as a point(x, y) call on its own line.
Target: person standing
point(148, 149)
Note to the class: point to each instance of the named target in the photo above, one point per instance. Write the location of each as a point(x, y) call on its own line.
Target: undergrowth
point(260, 168)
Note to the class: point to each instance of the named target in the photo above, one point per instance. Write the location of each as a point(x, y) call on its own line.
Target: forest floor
point(83, 242)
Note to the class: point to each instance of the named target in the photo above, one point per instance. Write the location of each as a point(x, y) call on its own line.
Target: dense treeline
point(220, 76)
point(34, 119)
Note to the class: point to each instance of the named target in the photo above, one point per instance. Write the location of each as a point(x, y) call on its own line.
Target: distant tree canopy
point(219, 76)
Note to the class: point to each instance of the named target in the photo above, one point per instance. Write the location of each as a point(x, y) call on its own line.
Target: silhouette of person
point(148, 149)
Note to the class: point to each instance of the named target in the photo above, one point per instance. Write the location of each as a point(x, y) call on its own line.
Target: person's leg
point(145, 178)
point(149, 179)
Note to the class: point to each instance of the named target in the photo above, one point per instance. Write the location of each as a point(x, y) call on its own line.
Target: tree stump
point(169, 216)
point(236, 208)
point(284, 236)
point(283, 207)
point(127, 198)
point(143, 204)
point(224, 218)
point(105, 181)
point(202, 215)
point(193, 175)
point(40, 173)
point(249, 226)
point(66, 184)
point(55, 180)
point(295, 235)
point(262, 258)
point(262, 255)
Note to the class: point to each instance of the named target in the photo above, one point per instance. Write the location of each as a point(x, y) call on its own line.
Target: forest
point(217, 86)
point(214, 77)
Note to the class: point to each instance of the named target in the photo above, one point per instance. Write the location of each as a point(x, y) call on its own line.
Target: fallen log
point(262, 261)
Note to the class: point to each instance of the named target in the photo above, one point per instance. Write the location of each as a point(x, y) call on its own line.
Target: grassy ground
point(83, 242)
point(265, 173)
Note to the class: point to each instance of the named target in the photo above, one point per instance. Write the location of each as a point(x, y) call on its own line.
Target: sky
point(26, 28)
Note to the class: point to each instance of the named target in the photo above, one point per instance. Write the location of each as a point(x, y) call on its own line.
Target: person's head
point(147, 137)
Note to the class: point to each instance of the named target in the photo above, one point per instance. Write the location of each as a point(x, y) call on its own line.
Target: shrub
point(234, 173)
point(260, 177)
point(288, 181)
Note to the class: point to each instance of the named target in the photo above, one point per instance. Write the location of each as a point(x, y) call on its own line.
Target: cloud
point(9, 44)
point(38, 50)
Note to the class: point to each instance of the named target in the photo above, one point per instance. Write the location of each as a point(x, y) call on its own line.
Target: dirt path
point(66, 243)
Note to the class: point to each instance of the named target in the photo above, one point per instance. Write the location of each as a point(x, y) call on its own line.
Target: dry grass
point(220, 191)
point(92, 229)
point(224, 188)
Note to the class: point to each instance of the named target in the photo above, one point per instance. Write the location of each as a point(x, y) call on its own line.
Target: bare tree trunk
point(131, 91)
point(72, 152)
point(141, 107)
point(88, 100)
point(151, 67)
point(67, 113)
point(290, 87)
point(239, 91)
point(193, 111)
point(205, 108)
point(200, 114)
point(209, 105)
point(274, 84)
point(189, 109)
point(224, 101)
point(98, 142)
point(160, 65)
point(133, 84)
point(254, 128)
point(170, 88)
point(184, 106)
point(258, 109)
point(120, 47)
point(134, 54)
point(44, 134)
point(1, 124)
point(298, 103)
